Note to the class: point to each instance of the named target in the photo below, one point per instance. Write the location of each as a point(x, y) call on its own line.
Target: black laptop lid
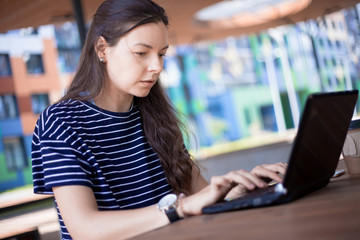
point(320, 138)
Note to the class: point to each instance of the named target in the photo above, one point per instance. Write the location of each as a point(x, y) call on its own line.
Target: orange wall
point(28, 121)
point(26, 84)
point(7, 85)
point(23, 85)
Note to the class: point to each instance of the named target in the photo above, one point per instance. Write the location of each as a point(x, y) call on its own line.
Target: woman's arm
point(83, 220)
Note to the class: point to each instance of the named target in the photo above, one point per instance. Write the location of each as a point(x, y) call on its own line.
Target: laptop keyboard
point(258, 197)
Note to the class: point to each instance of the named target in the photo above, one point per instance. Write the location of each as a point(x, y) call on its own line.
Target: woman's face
point(135, 62)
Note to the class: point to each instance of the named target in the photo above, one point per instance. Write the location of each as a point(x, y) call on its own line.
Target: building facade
point(254, 84)
point(29, 81)
point(227, 91)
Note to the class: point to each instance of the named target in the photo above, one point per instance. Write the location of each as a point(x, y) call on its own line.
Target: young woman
point(112, 147)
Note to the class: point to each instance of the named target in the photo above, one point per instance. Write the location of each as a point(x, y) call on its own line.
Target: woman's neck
point(114, 102)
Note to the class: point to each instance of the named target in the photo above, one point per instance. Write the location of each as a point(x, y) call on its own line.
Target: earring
point(102, 59)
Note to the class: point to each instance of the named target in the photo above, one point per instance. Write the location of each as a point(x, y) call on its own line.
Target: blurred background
point(239, 71)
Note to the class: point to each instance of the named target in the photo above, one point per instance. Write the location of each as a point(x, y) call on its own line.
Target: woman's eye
point(162, 55)
point(140, 53)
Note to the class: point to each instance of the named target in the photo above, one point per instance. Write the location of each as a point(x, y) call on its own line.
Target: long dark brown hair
point(163, 130)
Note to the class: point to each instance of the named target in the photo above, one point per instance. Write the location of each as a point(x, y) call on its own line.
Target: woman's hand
point(270, 172)
point(266, 172)
point(231, 184)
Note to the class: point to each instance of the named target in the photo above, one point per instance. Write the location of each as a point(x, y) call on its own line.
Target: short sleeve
point(57, 159)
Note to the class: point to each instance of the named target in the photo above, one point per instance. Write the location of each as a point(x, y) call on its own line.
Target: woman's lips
point(148, 83)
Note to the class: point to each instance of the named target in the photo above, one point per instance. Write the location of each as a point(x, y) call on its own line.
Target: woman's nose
point(156, 64)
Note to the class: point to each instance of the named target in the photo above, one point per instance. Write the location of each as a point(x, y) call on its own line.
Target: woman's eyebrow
point(149, 46)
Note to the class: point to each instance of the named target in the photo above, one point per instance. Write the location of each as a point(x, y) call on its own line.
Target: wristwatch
point(168, 204)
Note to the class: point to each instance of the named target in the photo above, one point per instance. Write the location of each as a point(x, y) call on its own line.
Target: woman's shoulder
point(59, 111)
point(68, 114)
point(66, 107)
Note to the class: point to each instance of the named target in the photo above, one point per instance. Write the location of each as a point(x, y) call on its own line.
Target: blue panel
point(27, 143)
point(11, 184)
point(11, 127)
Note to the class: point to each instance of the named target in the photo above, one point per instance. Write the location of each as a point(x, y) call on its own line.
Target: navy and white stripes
point(77, 143)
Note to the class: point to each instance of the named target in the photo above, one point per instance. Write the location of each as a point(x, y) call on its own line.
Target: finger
point(284, 166)
point(267, 173)
point(236, 192)
point(220, 184)
point(278, 167)
point(248, 180)
point(260, 183)
point(237, 177)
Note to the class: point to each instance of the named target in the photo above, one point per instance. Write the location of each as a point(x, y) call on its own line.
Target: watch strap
point(172, 215)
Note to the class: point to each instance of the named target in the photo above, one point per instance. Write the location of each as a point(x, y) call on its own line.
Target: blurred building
point(254, 84)
point(227, 90)
point(29, 81)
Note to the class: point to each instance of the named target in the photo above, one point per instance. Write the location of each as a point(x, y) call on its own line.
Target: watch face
point(167, 201)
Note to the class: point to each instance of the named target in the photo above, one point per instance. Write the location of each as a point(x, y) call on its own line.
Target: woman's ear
point(100, 47)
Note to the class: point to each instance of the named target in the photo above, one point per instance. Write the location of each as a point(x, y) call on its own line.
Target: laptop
point(314, 156)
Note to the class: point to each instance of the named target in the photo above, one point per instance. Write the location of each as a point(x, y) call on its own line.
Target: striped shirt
point(77, 143)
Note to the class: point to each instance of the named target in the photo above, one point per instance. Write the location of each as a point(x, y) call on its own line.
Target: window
point(68, 59)
point(338, 44)
point(334, 62)
point(14, 154)
point(67, 36)
point(34, 63)
point(333, 24)
point(5, 69)
point(28, 31)
point(39, 102)
point(329, 42)
point(268, 118)
point(69, 46)
point(8, 107)
point(341, 26)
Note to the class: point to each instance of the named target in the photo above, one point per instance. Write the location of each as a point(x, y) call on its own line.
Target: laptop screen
point(319, 141)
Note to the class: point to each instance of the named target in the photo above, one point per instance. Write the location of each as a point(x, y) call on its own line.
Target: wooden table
point(329, 213)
